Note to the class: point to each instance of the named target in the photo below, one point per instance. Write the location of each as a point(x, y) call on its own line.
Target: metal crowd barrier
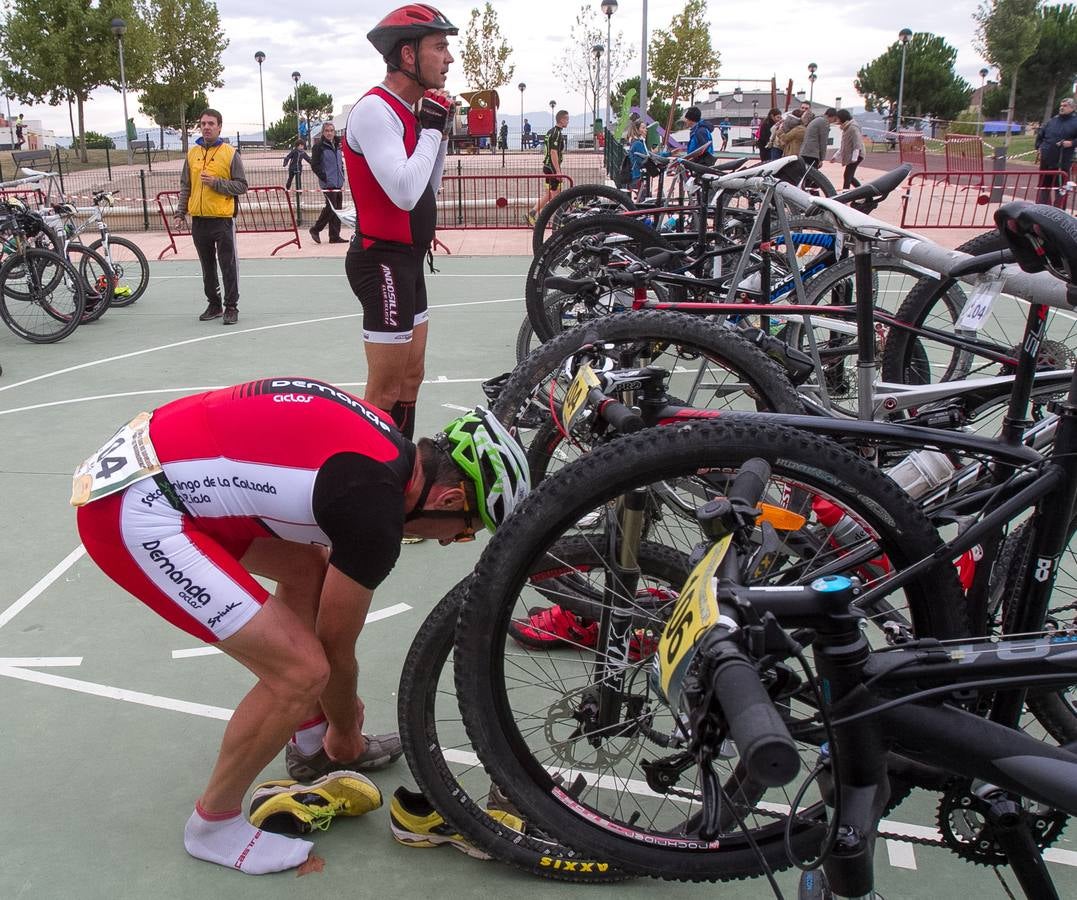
point(912, 148)
point(262, 210)
point(490, 201)
point(965, 154)
point(31, 196)
point(939, 200)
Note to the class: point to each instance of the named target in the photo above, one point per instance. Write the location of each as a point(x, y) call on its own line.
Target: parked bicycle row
point(759, 594)
point(54, 274)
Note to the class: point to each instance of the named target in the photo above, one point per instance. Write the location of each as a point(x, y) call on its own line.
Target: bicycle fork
point(615, 623)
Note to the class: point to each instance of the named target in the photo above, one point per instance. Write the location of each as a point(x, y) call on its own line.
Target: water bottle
point(921, 472)
point(670, 224)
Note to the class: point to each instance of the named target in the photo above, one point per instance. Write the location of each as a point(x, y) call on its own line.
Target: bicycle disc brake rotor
point(967, 832)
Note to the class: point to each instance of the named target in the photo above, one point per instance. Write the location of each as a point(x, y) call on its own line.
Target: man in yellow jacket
point(211, 181)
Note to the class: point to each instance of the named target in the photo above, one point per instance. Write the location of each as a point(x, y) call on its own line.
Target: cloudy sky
point(325, 42)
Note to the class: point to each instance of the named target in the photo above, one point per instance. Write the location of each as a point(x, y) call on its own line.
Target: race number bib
point(127, 457)
point(576, 395)
point(977, 307)
point(696, 611)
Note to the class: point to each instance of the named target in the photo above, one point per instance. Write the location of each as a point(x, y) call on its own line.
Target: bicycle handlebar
point(763, 742)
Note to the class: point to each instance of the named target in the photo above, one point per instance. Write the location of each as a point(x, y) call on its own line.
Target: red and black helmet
point(408, 23)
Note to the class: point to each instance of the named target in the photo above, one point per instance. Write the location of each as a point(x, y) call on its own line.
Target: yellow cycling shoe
point(415, 823)
point(288, 807)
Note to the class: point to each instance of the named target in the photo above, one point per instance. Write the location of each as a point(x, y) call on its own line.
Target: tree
point(1048, 73)
point(1007, 34)
point(56, 51)
point(657, 107)
point(577, 69)
point(931, 87)
point(187, 63)
point(683, 50)
point(170, 117)
point(486, 53)
point(95, 141)
point(313, 105)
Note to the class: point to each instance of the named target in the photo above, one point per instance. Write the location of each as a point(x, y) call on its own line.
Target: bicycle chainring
point(967, 832)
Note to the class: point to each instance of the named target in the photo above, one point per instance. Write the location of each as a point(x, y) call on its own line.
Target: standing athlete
point(394, 151)
point(297, 481)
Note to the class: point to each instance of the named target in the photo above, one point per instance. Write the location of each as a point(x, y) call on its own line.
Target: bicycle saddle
point(724, 168)
point(1041, 237)
point(877, 190)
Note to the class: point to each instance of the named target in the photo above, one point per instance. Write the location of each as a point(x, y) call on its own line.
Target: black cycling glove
point(435, 112)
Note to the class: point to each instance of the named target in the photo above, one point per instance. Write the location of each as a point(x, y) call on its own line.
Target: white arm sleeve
point(375, 131)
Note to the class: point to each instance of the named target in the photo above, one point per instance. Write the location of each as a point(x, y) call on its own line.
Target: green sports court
point(112, 718)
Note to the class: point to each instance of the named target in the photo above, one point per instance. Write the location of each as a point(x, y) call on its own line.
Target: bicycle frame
point(882, 701)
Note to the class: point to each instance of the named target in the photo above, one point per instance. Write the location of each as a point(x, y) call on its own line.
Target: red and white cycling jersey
point(290, 458)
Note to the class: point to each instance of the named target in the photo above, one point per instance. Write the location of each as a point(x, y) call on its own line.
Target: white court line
point(228, 334)
point(26, 599)
point(901, 855)
point(441, 379)
point(457, 408)
point(305, 277)
point(375, 616)
point(39, 661)
point(115, 693)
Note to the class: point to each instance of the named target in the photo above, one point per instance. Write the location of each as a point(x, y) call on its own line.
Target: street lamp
point(596, 51)
point(260, 57)
point(522, 87)
point(811, 80)
point(609, 7)
point(643, 65)
point(800, 96)
point(553, 103)
point(298, 122)
point(837, 102)
point(119, 28)
point(905, 35)
point(984, 72)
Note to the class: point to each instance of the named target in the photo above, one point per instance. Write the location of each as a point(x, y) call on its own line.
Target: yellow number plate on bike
point(576, 397)
point(695, 612)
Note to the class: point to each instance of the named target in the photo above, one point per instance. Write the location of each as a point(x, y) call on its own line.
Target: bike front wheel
point(535, 716)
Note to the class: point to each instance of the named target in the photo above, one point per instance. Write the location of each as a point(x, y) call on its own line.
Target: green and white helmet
point(492, 459)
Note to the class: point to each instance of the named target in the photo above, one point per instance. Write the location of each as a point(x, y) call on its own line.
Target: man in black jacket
point(327, 162)
point(1055, 141)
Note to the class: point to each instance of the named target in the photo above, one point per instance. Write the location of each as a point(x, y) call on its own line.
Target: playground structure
point(475, 127)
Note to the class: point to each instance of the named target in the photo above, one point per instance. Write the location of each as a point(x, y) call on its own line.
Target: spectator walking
point(327, 162)
point(1055, 140)
point(700, 140)
point(816, 135)
point(503, 137)
point(791, 136)
point(555, 145)
point(527, 139)
point(723, 130)
point(852, 148)
point(766, 133)
point(211, 180)
point(637, 155)
point(20, 127)
point(294, 161)
point(395, 159)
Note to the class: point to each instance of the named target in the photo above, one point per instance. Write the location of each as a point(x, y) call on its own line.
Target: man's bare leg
point(395, 373)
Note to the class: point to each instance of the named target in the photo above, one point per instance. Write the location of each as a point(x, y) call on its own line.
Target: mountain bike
point(660, 814)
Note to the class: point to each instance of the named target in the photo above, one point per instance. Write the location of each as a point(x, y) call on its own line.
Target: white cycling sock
point(308, 737)
point(230, 840)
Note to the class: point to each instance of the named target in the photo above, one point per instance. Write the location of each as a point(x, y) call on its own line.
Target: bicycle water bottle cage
point(1042, 238)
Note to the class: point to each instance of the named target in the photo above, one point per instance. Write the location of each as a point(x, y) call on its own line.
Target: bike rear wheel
point(130, 268)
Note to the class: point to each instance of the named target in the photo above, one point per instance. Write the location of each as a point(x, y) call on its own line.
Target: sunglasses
point(468, 534)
